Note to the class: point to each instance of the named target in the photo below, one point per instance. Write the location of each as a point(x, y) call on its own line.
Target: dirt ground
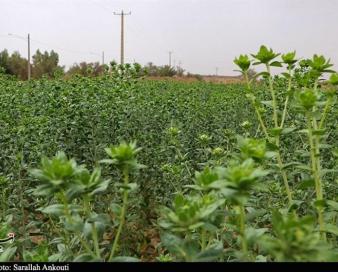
point(222, 79)
point(214, 79)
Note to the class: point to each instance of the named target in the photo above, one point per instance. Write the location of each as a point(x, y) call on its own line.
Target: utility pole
point(170, 52)
point(102, 57)
point(29, 57)
point(28, 53)
point(216, 71)
point(122, 14)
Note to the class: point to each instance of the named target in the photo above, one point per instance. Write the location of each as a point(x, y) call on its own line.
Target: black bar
point(168, 267)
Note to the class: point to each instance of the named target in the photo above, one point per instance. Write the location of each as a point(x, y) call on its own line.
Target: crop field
point(131, 169)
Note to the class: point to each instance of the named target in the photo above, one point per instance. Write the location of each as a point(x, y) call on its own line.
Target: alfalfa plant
point(195, 222)
point(67, 195)
point(124, 158)
point(267, 58)
point(313, 101)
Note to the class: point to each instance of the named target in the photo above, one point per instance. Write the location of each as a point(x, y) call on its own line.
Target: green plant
point(124, 157)
point(296, 240)
point(226, 185)
point(71, 191)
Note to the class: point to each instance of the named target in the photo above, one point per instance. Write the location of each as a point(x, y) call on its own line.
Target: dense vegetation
point(47, 65)
point(217, 172)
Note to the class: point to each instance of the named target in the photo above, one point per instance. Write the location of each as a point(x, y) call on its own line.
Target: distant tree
point(46, 64)
point(180, 71)
point(86, 69)
point(4, 56)
point(151, 69)
point(197, 76)
point(166, 70)
point(17, 66)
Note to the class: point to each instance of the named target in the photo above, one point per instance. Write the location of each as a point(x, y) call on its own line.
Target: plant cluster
point(219, 183)
point(194, 223)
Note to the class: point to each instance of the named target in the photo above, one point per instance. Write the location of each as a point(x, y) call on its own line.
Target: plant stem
point(325, 113)
point(95, 239)
point(181, 157)
point(284, 111)
point(273, 95)
point(122, 215)
point(277, 138)
point(259, 116)
point(69, 217)
point(203, 239)
point(242, 229)
point(287, 99)
point(315, 172)
point(93, 230)
point(283, 173)
point(318, 167)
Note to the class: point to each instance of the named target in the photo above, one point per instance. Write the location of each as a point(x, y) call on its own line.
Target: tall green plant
point(309, 98)
point(68, 193)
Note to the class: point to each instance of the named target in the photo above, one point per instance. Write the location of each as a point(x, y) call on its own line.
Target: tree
point(13, 64)
point(4, 56)
point(46, 64)
point(166, 70)
point(86, 69)
point(43, 64)
point(17, 66)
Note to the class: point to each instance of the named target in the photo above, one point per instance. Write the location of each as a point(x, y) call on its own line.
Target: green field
point(194, 134)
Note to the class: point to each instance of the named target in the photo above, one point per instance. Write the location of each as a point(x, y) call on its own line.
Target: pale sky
point(203, 34)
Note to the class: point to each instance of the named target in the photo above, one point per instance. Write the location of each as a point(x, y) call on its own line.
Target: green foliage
point(219, 159)
point(44, 64)
point(243, 62)
point(265, 55)
point(289, 58)
point(334, 79)
point(72, 189)
point(189, 213)
point(252, 148)
point(319, 64)
point(162, 71)
point(123, 156)
point(206, 180)
point(307, 98)
point(241, 180)
point(86, 69)
point(296, 240)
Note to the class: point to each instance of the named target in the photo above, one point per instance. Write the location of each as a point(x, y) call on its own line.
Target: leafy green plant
point(209, 151)
point(124, 157)
point(296, 240)
point(71, 191)
point(303, 86)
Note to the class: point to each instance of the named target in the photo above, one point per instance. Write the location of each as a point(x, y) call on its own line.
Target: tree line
point(46, 64)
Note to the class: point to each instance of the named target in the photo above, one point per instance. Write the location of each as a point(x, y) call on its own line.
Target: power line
point(53, 46)
point(130, 28)
point(135, 31)
point(28, 51)
point(105, 8)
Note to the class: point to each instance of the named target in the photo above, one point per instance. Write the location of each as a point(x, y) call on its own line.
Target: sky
point(202, 34)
